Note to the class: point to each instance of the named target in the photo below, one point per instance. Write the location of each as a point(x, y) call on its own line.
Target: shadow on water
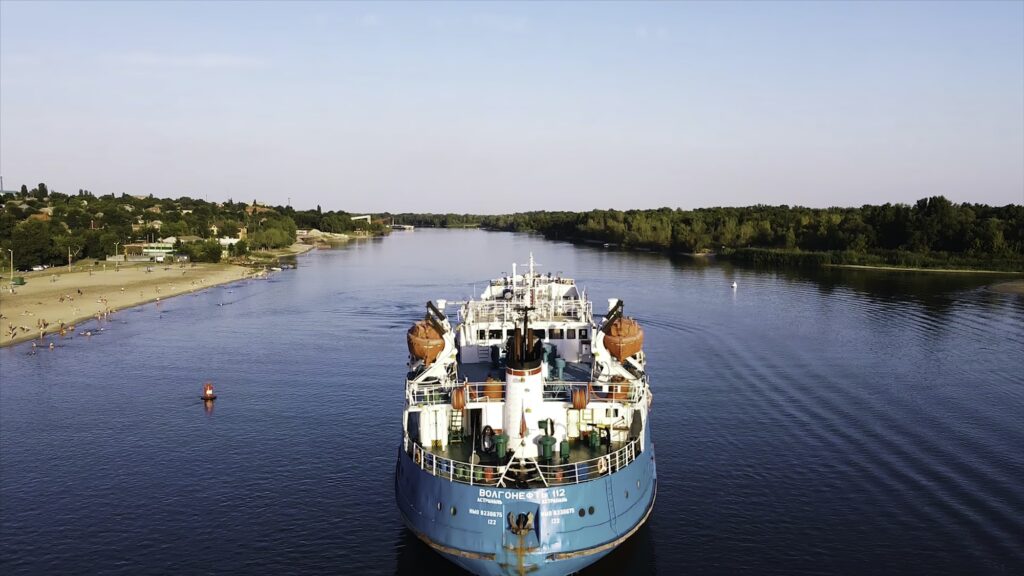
point(936, 292)
point(415, 557)
point(634, 556)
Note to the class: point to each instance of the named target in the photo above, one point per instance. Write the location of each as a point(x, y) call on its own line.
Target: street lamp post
point(116, 244)
point(12, 269)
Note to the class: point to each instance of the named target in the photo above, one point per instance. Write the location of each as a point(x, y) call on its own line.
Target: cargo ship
point(526, 442)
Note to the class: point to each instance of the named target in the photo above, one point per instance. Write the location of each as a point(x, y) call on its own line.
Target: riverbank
point(1011, 287)
point(909, 269)
point(278, 253)
point(54, 299)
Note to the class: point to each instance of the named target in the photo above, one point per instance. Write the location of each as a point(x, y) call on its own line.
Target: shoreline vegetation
point(93, 255)
point(41, 227)
point(932, 235)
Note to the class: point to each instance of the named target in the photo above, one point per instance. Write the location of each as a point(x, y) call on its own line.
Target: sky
point(506, 107)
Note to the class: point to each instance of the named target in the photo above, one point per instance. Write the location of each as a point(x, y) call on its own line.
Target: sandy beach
point(1011, 287)
point(56, 299)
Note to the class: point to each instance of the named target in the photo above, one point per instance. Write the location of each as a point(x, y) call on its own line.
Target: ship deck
point(479, 371)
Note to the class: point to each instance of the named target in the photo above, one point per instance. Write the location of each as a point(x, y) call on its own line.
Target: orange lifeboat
point(425, 342)
point(623, 337)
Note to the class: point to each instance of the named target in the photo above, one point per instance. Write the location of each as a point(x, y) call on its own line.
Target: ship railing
point(552, 474)
point(454, 470)
point(554, 391)
point(544, 308)
point(576, 472)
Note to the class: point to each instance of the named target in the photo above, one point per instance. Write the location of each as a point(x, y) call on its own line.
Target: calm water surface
point(826, 423)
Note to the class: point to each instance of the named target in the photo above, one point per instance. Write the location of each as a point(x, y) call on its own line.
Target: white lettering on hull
point(551, 496)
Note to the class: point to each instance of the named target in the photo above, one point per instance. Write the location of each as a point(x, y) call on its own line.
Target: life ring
point(602, 466)
point(417, 457)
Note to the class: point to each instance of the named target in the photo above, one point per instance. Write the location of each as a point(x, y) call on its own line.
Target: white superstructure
point(526, 361)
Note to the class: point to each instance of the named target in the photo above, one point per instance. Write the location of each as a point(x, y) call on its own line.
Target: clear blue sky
point(491, 108)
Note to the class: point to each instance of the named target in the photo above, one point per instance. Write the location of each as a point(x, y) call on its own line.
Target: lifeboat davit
point(425, 342)
point(623, 338)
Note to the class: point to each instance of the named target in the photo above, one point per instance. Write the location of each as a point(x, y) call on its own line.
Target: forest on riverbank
point(40, 226)
point(932, 233)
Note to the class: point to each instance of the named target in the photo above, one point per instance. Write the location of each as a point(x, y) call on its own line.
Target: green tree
point(33, 243)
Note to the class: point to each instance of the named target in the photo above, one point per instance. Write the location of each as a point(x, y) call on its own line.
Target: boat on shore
point(526, 446)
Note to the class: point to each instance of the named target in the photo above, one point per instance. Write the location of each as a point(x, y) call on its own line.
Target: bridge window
point(494, 334)
point(583, 333)
point(556, 334)
point(570, 333)
point(540, 333)
point(481, 334)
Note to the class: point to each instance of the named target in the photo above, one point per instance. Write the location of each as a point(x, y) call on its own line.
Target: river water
point(841, 422)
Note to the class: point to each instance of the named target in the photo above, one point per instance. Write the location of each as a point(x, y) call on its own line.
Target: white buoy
point(733, 285)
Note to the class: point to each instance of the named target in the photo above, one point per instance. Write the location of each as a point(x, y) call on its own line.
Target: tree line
point(45, 227)
point(932, 232)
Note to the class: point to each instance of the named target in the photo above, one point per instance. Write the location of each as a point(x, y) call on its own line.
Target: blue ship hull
point(469, 524)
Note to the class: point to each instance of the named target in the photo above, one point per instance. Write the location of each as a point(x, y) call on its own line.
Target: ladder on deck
point(529, 469)
point(455, 427)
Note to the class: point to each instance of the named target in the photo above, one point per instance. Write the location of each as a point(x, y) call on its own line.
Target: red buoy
point(208, 392)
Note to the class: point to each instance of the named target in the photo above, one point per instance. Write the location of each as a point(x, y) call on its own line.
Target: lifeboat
point(425, 342)
point(623, 337)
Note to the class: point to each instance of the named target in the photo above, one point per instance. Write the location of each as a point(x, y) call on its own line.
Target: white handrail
point(550, 474)
point(554, 390)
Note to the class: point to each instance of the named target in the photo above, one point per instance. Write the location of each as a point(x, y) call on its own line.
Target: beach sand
point(1011, 287)
point(56, 296)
